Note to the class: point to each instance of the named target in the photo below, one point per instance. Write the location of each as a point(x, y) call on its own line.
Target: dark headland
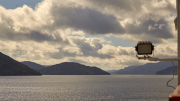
point(11, 67)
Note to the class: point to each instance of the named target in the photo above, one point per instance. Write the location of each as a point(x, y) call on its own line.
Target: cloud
point(56, 31)
point(148, 29)
point(117, 51)
point(85, 19)
point(137, 17)
point(64, 52)
point(151, 28)
point(91, 16)
point(18, 27)
point(90, 47)
point(8, 34)
point(166, 50)
point(130, 9)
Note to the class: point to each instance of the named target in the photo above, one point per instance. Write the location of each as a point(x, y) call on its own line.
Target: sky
point(101, 33)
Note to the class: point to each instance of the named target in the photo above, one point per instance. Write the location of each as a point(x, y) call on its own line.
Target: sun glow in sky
point(99, 33)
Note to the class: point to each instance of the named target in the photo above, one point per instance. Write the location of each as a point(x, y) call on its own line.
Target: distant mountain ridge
point(11, 67)
point(33, 65)
point(146, 69)
point(72, 68)
point(123, 70)
point(167, 71)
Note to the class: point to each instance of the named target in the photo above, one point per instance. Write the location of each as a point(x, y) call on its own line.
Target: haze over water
point(86, 88)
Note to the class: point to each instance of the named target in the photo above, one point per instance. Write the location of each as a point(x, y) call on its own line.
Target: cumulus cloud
point(130, 8)
point(55, 31)
point(140, 17)
point(86, 19)
point(117, 51)
point(20, 25)
point(149, 29)
point(64, 52)
point(166, 50)
point(91, 17)
point(90, 46)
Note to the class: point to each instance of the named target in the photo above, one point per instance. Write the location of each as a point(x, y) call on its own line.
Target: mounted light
point(144, 48)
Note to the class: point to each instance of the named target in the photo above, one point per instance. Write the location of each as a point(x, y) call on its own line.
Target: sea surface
point(86, 88)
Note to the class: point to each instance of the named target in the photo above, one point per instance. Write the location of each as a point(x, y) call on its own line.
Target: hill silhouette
point(71, 68)
point(167, 71)
point(11, 67)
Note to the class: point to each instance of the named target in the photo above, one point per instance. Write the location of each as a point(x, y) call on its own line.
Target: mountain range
point(146, 69)
point(66, 68)
point(167, 71)
point(9, 66)
point(71, 68)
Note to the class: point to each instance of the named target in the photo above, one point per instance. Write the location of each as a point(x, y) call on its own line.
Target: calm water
point(85, 88)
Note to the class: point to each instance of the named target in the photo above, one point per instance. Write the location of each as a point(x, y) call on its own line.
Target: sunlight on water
point(86, 88)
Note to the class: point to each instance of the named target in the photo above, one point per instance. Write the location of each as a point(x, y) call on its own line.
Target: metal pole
point(178, 22)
